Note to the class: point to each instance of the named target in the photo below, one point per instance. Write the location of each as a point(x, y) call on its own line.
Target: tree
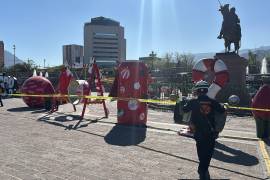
point(168, 60)
point(187, 61)
point(22, 67)
point(253, 64)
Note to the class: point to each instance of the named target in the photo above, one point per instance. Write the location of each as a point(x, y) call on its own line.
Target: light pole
point(153, 57)
point(14, 48)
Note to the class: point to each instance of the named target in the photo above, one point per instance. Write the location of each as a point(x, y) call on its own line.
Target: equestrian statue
point(231, 29)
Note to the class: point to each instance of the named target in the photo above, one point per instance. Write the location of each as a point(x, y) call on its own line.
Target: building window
point(105, 34)
point(78, 60)
point(100, 47)
point(105, 52)
point(104, 38)
point(114, 43)
point(105, 57)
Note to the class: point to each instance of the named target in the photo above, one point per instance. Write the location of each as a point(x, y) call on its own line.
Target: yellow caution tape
point(165, 102)
point(248, 108)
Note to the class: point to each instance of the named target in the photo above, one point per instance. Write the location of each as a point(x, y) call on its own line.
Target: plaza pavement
point(38, 145)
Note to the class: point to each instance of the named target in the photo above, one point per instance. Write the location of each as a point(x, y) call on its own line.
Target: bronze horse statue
point(232, 37)
point(231, 29)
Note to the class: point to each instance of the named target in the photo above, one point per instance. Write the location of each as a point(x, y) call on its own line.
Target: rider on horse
point(231, 30)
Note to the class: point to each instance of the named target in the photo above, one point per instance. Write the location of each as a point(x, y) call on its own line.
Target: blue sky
point(39, 28)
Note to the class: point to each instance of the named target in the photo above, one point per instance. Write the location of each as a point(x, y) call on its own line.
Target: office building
point(104, 41)
point(73, 55)
point(2, 51)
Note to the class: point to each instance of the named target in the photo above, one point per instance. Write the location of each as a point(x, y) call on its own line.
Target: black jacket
point(203, 114)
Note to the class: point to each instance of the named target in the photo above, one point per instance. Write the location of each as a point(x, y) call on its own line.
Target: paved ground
point(37, 145)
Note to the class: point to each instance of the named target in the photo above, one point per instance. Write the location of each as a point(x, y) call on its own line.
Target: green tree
point(25, 67)
point(253, 63)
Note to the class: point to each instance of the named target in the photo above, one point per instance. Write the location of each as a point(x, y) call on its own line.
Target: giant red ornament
point(262, 100)
point(36, 85)
point(132, 82)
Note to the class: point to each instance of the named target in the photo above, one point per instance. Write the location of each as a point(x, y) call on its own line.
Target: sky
point(39, 28)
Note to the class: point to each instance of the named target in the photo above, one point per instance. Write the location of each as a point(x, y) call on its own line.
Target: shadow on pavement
point(126, 135)
point(235, 157)
point(194, 161)
point(66, 118)
point(60, 120)
point(48, 120)
point(20, 109)
point(122, 135)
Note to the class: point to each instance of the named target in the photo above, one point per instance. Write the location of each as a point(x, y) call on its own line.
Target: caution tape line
point(166, 102)
point(248, 109)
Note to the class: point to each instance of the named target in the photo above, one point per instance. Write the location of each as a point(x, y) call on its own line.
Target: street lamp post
point(14, 58)
point(153, 57)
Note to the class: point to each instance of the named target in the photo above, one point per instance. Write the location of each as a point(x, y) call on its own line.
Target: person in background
point(6, 87)
point(1, 92)
point(203, 125)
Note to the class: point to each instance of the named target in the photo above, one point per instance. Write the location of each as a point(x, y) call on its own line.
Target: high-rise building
point(73, 55)
point(2, 51)
point(104, 40)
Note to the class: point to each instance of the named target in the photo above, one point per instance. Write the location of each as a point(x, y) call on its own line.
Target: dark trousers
point(205, 149)
point(262, 128)
point(1, 102)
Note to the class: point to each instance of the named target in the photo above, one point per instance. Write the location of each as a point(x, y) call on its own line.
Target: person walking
point(1, 92)
point(6, 88)
point(203, 125)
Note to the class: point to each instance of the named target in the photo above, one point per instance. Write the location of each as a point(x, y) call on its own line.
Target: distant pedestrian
point(1, 92)
point(203, 125)
point(6, 88)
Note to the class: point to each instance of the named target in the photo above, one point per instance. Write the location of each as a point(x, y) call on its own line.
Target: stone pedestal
point(237, 83)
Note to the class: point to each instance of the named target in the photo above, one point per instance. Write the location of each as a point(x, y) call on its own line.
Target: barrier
point(78, 87)
point(166, 102)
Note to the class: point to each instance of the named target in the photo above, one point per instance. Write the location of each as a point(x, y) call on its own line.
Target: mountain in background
point(9, 59)
point(261, 52)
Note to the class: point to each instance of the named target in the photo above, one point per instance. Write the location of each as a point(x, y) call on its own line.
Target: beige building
point(2, 51)
point(73, 55)
point(104, 40)
point(150, 60)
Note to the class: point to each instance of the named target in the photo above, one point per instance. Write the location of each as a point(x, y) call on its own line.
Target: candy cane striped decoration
point(211, 70)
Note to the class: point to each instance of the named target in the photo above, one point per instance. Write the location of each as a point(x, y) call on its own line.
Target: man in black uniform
point(203, 124)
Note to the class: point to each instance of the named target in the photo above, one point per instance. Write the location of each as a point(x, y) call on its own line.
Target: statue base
point(237, 78)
